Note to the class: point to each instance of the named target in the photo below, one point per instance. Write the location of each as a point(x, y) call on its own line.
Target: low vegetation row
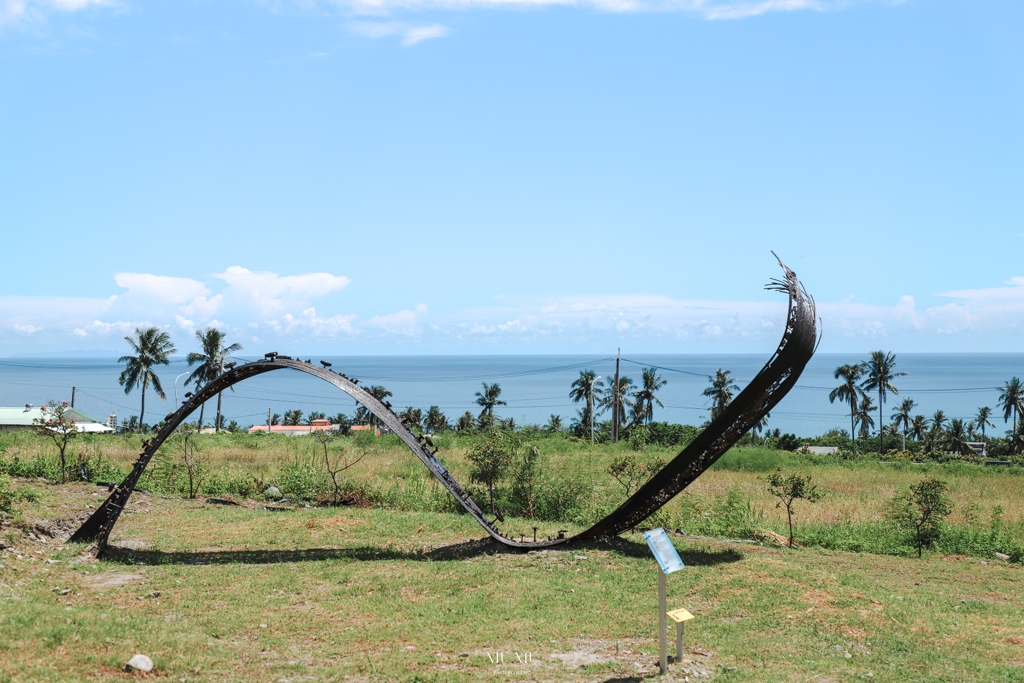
point(529, 478)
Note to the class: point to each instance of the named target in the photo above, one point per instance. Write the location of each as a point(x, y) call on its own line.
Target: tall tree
point(646, 397)
point(608, 401)
point(864, 418)
point(902, 416)
point(848, 391)
point(587, 387)
point(435, 421)
point(981, 420)
point(412, 417)
point(720, 392)
point(919, 427)
point(957, 439)
point(465, 421)
point(488, 399)
point(880, 371)
point(151, 346)
point(1010, 400)
point(210, 363)
point(380, 393)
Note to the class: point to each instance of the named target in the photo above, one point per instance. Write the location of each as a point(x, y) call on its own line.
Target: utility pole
point(590, 407)
point(616, 399)
point(268, 420)
point(72, 397)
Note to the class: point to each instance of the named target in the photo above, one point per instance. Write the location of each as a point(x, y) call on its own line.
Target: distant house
point(364, 428)
point(13, 419)
point(821, 450)
point(297, 430)
point(979, 447)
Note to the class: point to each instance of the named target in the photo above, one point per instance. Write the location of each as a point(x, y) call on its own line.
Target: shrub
point(632, 472)
point(730, 516)
point(922, 510)
point(789, 490)
point(6, 495)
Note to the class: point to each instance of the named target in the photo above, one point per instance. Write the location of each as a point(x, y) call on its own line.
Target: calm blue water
point(534, 386)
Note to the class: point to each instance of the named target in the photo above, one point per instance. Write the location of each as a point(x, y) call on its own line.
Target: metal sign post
point(668, 562)
point(680, 616)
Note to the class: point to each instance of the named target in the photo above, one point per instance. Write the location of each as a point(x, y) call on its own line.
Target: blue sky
point(489, 176)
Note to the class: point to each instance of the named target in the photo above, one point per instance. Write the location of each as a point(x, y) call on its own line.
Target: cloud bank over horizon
point(303, 314)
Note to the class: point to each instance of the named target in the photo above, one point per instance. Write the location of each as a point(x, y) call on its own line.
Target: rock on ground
point(139, 663)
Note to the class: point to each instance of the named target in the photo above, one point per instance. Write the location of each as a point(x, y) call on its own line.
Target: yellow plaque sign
point(679, 615)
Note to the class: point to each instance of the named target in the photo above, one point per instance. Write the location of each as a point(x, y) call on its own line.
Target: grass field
point(225, 593)
point(406, 590)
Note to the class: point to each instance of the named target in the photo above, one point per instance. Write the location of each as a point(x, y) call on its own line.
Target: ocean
point(534, 387)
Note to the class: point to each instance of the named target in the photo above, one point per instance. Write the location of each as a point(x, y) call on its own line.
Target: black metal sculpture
point(766, 389)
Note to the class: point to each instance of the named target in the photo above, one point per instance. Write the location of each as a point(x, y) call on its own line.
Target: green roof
point(23, 416)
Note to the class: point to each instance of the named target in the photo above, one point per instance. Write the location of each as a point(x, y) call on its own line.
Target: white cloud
point(14, 11)
point(185, 324)
point(98, 327)
point(409, 34)
point(270, 294)
point(25, 329)
point(403, 322)
point(53, 307)
point(992, 295)
point(160, 288)
point(742, 10)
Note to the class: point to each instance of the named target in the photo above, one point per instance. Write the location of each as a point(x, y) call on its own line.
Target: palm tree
point(587, 387)
point(982, 420)
point(380, 393)
point(211, 364)
point(956, 438)
point(864, 418)
point(465, 422)
point(848, 391)
point(939, 421)
point(607, 402)
point(919, 427)
point(435, 421)
point(151, 347)
point(1011, 400)
point(902, 416)
point(645, 397)
point(488, 399)
point(554, 424)
point(720, 392)
point(412, 417)
point(881, 371)
point(760, 425)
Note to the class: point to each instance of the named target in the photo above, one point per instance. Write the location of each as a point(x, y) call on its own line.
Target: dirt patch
point(110, 580)
point(817, 598)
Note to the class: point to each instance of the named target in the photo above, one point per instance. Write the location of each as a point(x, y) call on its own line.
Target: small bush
point(730, 516)
point(9, 496)
point(6, 495)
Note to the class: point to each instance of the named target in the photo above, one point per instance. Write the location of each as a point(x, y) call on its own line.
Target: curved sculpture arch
point(767, 388)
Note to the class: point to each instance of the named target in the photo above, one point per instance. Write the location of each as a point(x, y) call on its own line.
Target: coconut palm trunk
point(216, 427)
point(853, 420)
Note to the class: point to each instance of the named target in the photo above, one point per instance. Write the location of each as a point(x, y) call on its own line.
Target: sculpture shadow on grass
point(367, 553)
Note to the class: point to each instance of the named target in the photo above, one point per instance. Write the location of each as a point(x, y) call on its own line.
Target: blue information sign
point(664, 552)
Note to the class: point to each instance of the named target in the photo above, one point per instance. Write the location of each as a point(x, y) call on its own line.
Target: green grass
point(365, 594)
point(730, 500)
